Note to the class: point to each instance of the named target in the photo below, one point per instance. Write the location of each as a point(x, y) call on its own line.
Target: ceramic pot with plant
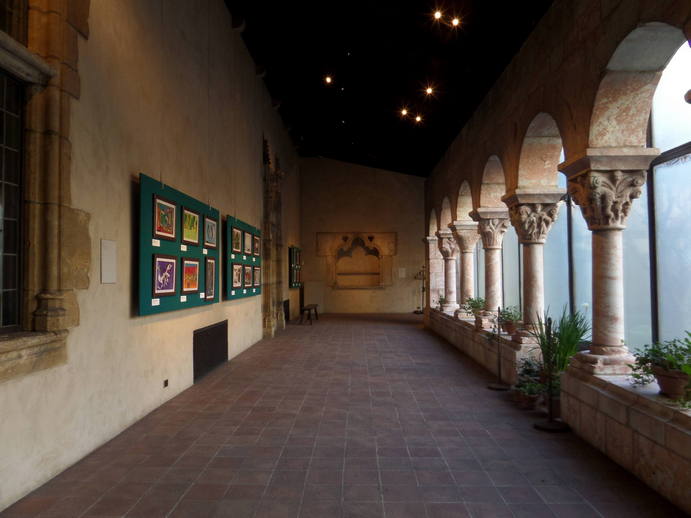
point(669, 363)
point(510, 317)
point(529, 394)
point(476, 306)
point(442, 301)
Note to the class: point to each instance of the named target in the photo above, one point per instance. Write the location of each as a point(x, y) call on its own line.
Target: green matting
point(149, 245)
point(233, 257)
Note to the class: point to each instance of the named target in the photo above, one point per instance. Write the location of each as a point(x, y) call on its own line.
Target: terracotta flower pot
point(527, 401)
point(672, 383)
point(510, 327)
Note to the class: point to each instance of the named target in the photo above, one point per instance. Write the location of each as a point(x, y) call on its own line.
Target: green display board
point(295, 266)
point(179, 245)
point(243, 259)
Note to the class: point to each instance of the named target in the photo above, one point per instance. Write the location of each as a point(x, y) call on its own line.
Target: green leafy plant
point(572, 329)
point(474, 305)
point(510, 314)
point(531, 388)
point(671, 355)
point(529, 371)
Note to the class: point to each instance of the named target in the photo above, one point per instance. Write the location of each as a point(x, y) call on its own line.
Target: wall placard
point(178, 249)
point(295, 266)
point(243, 259)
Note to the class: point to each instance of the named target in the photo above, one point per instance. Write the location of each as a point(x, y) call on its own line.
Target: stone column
point(449, 251)
point(466, 236)
point(435, 271)
point(532, 214)
point(604, 184)
point(492, 224)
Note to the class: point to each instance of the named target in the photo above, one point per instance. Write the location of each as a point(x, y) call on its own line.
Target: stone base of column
point(523, 337)
point(462, 314)
point(483, 322)
point(449, 308)
point(604, 364)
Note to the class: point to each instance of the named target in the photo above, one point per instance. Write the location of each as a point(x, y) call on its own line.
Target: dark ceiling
point(381, 55)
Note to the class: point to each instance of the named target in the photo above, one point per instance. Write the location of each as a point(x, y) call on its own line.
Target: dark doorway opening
point(210, 348)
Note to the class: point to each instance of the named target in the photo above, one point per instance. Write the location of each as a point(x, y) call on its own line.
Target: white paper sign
point(155, 302)
point(244, 257)
point(183, 298)
point(155, 242)
point(244, 291)
point(254, 290)
point(202, 295)
point(232, 292)
point(254, 259)
point(183, 248)
point(232, 256)
point(205, 251)
point(109, 262)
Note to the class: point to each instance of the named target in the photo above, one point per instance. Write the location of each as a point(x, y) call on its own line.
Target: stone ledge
point(25, 352)
point(639, 429)
point(17, 59)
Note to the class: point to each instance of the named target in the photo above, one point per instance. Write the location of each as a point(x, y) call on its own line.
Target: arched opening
point(432, 228)
point(540, 154)
point(493, 186)
point(445, 218)
point(464, 202)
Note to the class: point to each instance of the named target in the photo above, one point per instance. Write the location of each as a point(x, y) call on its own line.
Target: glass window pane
point(637, 308)
point(511, 268)
point(582, 263)
point(479, 270)
point(671, 113)
point(673, 235)
point(10, 308)
point(556, 265)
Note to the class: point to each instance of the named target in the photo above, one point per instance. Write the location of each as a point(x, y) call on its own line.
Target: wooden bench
point(308, 309)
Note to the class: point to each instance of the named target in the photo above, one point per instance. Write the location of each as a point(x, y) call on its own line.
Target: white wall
point(168, 89)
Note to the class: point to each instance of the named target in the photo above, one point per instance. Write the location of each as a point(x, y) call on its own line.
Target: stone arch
point(464, 202)
point(432, 228)
point(493, 185)
point(625, 95)
point(445, 218)
point(540, 154)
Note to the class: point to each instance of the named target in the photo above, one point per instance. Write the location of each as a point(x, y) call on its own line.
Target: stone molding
point(605, 182)
point(466, 235)
point(24, 353)
point(448, 246)
point(532, 214)
point(21, 62)
point(492, 225)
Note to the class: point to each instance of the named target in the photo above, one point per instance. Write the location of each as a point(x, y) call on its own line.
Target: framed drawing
point(190, 227)
point(190, 275)
point(248, 243)
point(237, 275)
point(257, 275)
point(164, 275)
point(210, 279)
point(248, 276)
point(236, 240)
point(164, 219)
point(257, 245)
point(210, 232)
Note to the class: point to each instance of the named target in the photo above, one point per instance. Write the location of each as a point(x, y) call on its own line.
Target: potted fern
point(669, 362)
point(510, 316)
point(476, 306)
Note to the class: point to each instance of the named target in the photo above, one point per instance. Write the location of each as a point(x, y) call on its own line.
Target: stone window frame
point(56, 242)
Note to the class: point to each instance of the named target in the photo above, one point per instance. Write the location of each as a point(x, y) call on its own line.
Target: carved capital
point(466, 235)
point(447, 244)
point(533, 221)
point(492, 225)
point(605, 197)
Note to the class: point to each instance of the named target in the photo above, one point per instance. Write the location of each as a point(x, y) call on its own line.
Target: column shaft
point(533, 282)
point(493, 284)
point(608, 292)
point(467, 276)
point(450, 284)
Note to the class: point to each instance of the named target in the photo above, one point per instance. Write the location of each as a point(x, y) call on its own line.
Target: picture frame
point(210, 278)
point(248, 281)
point(190, 227)
point(164, 219)
point(164, 275)
point(257, 245)
point(189, 272)
point(237, 275)
point(210, 232)
point(236, 240)
point(248, 244)
point(257, 276)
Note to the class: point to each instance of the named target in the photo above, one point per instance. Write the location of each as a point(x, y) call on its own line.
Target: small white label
point(254, 259)
point(254, 290)
point(202, 295)
point(155, 302)
point(183, 298)
point(205, 251)
point(183, 248)
point(155, 242)
point(244, 257)
point(232, 256)
point(244, 291)
point(232, 292)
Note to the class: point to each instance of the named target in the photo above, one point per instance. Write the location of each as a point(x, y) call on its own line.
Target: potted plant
point(476, 306)
point(510, 316)
point(528, 372)
point(442, 301)
point(528, 394)
point(669, 362)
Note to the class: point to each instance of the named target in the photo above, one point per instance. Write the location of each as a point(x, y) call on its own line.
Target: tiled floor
point(351, 417)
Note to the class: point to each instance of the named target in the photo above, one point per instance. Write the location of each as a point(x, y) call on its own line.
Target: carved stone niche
point(357, 260)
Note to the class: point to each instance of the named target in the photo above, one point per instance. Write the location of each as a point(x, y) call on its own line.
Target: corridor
point(355, 416)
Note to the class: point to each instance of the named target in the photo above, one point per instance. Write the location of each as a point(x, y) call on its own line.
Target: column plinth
point(449, 251)
point(492, 225)
point(532, 214)
point(604, 183)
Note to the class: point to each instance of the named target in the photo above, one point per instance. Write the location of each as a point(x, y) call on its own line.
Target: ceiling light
point(404, 112)
point(418, 118)
point(328, 80)
point(455, 22)
point(429, 90)
point(437, 15)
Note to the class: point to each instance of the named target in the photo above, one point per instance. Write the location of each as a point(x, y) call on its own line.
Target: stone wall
point(353, 199)
point(169, 89)
point(637, 428)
